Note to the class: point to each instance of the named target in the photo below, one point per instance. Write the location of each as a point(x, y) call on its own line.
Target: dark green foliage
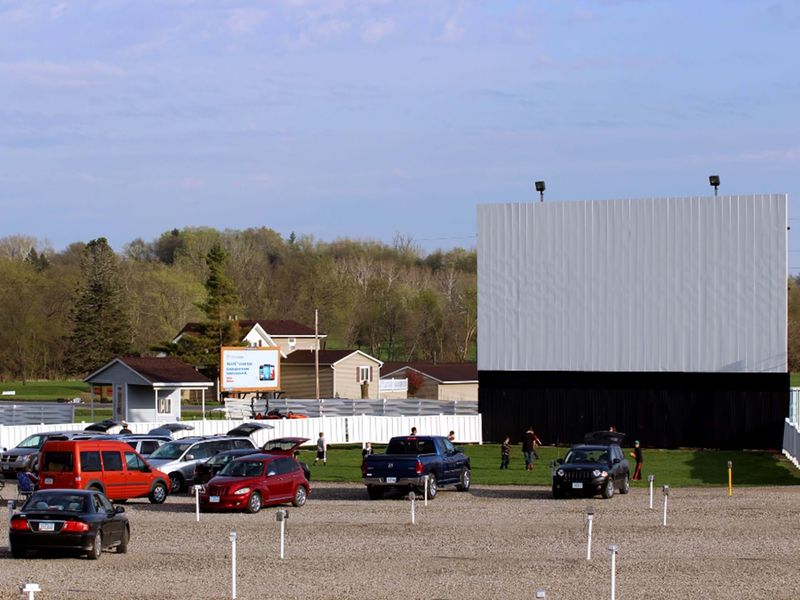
point(101, 328)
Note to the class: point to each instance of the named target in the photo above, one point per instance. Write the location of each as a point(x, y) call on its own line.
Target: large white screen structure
point(667, 284)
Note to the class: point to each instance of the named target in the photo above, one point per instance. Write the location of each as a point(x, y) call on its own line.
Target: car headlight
point(241, 491)
point(560, 472)
point(596, 473)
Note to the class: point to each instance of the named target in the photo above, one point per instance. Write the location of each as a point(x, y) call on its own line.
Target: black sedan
point(595, 467)
point(81, 520)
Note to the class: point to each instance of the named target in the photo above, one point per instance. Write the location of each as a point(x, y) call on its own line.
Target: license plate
point(47, 526)
point(577, 485)
point(391, 480)
point(48, 480)
point(213, 498)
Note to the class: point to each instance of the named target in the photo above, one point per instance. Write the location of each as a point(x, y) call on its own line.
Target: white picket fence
point(338, 430)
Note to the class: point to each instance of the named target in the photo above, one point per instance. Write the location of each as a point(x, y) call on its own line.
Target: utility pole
point(316, 351)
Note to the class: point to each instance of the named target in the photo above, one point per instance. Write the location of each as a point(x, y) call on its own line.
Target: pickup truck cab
point(409, 459)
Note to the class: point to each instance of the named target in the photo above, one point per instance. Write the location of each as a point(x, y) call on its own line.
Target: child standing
point(322, 450)
point(637, 455)
point(505, 453)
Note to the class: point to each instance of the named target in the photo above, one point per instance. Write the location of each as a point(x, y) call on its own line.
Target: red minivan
point(112, 467)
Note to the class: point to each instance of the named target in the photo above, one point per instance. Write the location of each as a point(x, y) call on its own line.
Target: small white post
point(413, 497)
point(651, 478)
point(613, 549)
point(427, 477)
point(666, 496)
point(590, 519)
point(197, 489)
point(233, 564)
point(281, 517)
point(541, 593)
point(31, 589)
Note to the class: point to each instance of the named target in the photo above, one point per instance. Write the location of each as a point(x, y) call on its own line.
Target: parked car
point(80, 520)
point(167, 429)
point(27, 451)
point(288, 446)
point(409, 459)
point(179, 458)
point(598, 466)
point(144, 444)
point(204, 471)
point(251, 482)
point(108, 466)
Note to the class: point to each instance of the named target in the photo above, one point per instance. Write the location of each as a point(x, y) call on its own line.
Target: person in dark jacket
point(505, 453)
point(637, 455)
point(529, 442)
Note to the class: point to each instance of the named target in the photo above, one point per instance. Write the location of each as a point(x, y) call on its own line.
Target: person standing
point(505, 453)
point(528, 447)
point(637, 455)
point(322, 450)
point(451, 436)
point(413, 431)
point(125, 429)
point(367, 451)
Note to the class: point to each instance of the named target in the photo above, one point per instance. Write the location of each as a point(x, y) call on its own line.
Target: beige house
point(285, 334)
point(436, 381)
point(341, 374)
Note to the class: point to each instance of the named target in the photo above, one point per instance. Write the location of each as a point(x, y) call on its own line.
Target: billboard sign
point(250, 369)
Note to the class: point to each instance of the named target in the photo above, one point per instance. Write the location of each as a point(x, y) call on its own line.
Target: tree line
point(65, 313)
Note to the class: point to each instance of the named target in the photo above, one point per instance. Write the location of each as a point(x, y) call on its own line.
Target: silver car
point(26, 452)
point(178, 458)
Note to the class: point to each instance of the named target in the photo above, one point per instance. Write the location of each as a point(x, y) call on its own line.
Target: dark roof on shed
point(162, 370)
point(443, 372)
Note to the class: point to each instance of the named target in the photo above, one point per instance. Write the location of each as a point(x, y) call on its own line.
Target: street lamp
point(714, 181)
point(540, 188)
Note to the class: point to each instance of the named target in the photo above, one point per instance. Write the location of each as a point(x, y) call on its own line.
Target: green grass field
point(43, 390)
point(678, 468)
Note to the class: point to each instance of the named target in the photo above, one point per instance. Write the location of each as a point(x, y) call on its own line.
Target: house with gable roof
point(436, 381)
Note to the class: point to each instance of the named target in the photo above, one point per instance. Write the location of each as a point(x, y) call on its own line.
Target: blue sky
point(366, 118)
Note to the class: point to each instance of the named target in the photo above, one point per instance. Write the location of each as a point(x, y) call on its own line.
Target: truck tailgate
point(380, 466)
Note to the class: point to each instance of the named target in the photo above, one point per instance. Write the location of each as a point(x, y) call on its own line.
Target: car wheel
point(626, 485)
point(95, 487)
point(123, 544)
point(300, 496)
point(17, 551)
point(374, 493)
point(465, 481)
point(608, 489)
point(176, 482)
point(558, 494)
point(97, 547)
point(158, 494)
point(254, 503)
point(433, 487)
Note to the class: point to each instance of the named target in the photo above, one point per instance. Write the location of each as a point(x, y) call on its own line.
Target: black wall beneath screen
point(663, 410)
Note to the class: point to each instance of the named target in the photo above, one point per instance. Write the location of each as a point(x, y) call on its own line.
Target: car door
point(279, 478)
point(452, 464)
point(138, 475)
point(109, 526)
point(115, 479)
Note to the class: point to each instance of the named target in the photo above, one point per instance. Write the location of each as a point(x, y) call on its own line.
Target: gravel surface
point(493, 542)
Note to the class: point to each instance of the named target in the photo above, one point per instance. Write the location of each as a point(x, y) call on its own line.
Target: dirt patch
point(491, 542)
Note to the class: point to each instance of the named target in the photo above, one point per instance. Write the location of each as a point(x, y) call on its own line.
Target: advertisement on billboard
point(249, 369)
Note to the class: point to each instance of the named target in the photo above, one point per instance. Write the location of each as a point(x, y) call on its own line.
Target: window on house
point(365, 373)
point(165, 406)
point(292, 342)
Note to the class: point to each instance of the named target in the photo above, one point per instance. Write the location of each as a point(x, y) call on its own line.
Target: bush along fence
point(358, 429)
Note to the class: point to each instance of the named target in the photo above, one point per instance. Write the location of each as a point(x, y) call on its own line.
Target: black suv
point(597, 466)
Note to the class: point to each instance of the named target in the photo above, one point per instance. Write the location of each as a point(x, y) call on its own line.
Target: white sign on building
point(250, 369)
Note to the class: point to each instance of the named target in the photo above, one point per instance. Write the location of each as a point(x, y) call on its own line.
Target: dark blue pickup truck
point(409, 459)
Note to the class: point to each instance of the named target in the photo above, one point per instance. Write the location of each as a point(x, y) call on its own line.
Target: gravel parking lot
point(493, 542)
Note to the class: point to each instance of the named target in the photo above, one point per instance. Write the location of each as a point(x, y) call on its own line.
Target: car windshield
point(410, 445)
point(220, 459)
point(587, 455)
point(171, 450)
point(243, 468)
point(32, 441)
point(61, 502)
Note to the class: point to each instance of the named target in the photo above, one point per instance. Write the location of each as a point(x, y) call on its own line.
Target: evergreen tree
point(101, 326)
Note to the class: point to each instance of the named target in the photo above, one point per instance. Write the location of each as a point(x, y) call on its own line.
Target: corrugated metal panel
point(669, 284)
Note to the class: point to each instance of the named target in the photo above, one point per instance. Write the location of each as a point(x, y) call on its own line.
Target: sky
point(368, 118)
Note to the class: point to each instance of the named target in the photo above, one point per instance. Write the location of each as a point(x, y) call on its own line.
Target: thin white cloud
point(245, 20)
point(60, 74)
point(777, 154)
point(375, 31)
point(452, 31)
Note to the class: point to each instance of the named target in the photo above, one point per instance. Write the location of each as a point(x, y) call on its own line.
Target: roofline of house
point(429, 376)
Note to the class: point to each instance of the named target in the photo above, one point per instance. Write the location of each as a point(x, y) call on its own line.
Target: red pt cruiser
point(254, 481)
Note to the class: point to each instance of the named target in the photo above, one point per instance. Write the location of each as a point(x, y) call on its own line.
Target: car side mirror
point(146, 469)
point(271, 473)
point(616, 461)
point(119, 510)
point(559, 461)
point(189, 457)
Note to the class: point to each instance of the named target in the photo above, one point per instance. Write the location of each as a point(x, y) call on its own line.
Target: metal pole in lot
point(30, 589)
point(589, 519)
point(281, 517)
point(427, 477)
point(651, 478)
point(413, 497)
point(666, 496)
point(613, 549)
point(730, 478)
point(541, 593)
point(233, 564)
point(197, 489)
